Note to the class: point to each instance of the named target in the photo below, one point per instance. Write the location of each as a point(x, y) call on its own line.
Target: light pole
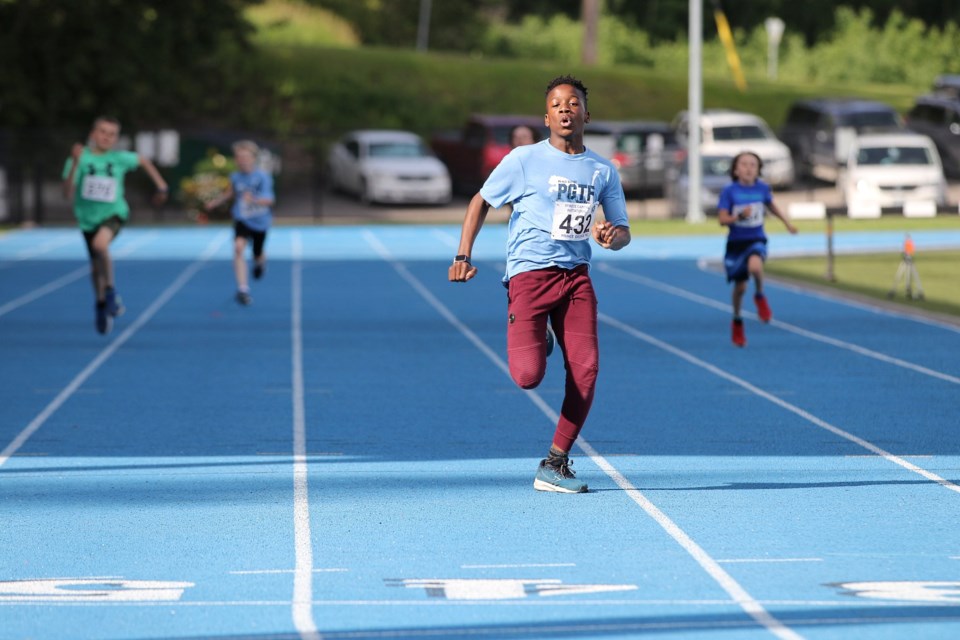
point(694, 107)
point(423, 25)
point(775, 28)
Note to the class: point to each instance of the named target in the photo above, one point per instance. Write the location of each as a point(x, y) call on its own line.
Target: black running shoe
point(257, 271)
point(114, 304)
point(244, 298)
point(104, 319)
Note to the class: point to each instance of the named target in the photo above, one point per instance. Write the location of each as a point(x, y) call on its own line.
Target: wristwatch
point(462, 258)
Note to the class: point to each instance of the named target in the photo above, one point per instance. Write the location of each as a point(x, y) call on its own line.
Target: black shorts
point(257, 238)
point(114, 223)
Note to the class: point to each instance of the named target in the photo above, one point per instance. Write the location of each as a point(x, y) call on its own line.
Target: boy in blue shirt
point(555, 187)
point(741, 208)
point(252, 192)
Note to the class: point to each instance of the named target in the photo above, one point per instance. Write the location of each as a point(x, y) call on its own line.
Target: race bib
point(99, 188)
point(749, 215)
point(572, 220)
point(248, 210)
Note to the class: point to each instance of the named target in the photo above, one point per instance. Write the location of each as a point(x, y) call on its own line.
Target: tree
point(65, 61)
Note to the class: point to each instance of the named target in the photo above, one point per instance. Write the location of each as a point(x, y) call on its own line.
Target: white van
point(891, 170)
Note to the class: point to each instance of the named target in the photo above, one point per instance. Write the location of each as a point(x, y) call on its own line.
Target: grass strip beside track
point(873, 275)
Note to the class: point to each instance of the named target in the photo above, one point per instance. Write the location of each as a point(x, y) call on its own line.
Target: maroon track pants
point(566, 296)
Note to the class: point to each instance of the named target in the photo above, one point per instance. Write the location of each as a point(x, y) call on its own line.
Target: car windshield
point(870, 120)
point(639, 141)
point(894, 156)
point(744, 132)
point(397, 150)
point(712, 166)
point(716, 166)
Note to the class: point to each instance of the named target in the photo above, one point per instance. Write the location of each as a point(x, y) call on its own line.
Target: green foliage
point(902, 50)
point(560, 39)
point(65, 61)
point(210, 179)
point(294, 22)
point(455, 25)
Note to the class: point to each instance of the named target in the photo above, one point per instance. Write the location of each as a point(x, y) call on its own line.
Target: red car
point(473, 152)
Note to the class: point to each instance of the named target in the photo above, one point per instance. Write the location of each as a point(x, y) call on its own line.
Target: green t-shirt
point(99, 186)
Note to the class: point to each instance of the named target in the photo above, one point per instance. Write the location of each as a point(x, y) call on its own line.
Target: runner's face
point(747, 169)
point(245, 160)
point(521, 136)
point(566, 111)
point(104, 135)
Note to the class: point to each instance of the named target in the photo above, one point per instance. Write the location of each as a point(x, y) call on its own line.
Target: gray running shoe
point(560, 478)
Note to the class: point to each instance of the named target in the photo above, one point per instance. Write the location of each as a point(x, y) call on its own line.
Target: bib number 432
point(571, 221)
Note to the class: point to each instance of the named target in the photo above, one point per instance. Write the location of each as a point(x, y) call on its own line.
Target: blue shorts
point(738, 255)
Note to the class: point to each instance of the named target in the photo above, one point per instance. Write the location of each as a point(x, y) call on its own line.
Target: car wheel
point(364, 194)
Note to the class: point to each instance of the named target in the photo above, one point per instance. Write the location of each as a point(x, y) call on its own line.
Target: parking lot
point(340, 209)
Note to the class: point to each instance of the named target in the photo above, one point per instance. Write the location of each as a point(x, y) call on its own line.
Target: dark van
point(819, 131)
point(938, 116)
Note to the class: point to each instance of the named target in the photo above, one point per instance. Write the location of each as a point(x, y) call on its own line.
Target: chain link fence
point(32, 163)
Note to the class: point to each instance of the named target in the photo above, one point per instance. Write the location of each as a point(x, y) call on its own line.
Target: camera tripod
point(907, 274)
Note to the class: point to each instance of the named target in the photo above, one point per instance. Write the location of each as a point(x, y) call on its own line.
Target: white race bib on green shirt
point(99, 188)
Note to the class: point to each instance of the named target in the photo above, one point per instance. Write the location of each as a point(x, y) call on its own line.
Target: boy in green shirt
point(93, 181)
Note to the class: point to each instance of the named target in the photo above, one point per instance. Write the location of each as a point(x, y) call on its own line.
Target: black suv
point(937, 115)
point(819, 131)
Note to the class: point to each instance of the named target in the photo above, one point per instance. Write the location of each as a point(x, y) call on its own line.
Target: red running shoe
point(739, 338)
point(763, 309)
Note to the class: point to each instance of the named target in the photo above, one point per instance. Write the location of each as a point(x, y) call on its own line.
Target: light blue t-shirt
point(749, 201)
point(259, 184)
point(555, 196)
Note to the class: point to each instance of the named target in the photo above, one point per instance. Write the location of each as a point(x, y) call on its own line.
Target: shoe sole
point(540, 485)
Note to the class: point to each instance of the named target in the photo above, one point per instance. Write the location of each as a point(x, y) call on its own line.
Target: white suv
point(725, 132)
point(889, 170)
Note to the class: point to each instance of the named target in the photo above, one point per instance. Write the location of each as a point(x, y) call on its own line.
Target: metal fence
point(32, 163)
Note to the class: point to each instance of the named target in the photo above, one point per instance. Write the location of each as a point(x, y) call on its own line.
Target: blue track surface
point(347, 458)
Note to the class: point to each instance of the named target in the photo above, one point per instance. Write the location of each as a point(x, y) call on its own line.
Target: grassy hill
point(335, 89)
point(328, 84)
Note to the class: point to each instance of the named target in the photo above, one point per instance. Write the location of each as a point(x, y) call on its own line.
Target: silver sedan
point(388, 166)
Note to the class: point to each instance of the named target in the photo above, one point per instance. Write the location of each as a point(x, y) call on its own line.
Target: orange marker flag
point(908, 247)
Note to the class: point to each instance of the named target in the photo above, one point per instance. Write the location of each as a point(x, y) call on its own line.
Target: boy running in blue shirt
point(252, 192)
point(555, 187)
point(93, 179)
point(741, 208)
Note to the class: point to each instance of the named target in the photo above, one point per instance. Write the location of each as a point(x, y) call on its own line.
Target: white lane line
point(846, 435)
point(709, 302)
point(112, 348)
point(302, 609)
point(50, 287)
point(838, 298)
point(849, 603)
point(760, 560)
point(743, 599)
point(262, 572)
point(527, 565)
point(446, 238)
point(32, 252)
point(66, 279)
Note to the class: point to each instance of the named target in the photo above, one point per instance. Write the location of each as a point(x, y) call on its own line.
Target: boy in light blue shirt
point(252, 192)
point(555, 188)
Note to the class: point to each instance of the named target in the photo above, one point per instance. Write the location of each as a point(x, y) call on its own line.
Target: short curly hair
point(570, 80)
